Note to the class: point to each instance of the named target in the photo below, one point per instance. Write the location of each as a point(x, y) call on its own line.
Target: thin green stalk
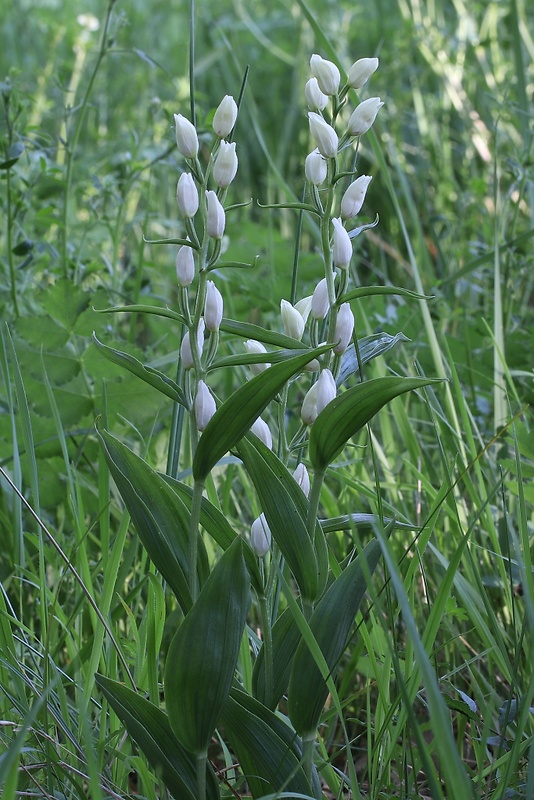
point(308, 747)
point(196, 506)
point(202, 759)
point(267, 644)
point(9, 237)
point(313, 502)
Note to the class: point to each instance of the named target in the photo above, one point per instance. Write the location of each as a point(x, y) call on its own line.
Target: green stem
point(308, 746)
point(9, 237)
point(194, 526)
point(267, 645)
point(202, 759)
point(313, 502)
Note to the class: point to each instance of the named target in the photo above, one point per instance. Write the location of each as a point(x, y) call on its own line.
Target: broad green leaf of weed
point(234, 418)
point(160, 517)
point(150, 728)
point(350, 411)
point(285, 508)
point(203, 653)
point(64, 302)
point(269, 753)
point(330, 624)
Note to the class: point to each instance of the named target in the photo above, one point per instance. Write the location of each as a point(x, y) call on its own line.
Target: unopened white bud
point(225, 167)
point(353, 199)
point(342, 246)
point(323, 135)
point(344, 328)
point(185, 266)
point(262, 431)
point(315, 168)
point(216, 219)
point(186, 353)
point(320, 300)
point(364, 115)
point(315, 98)
point(186, 137)
point(327, 74)
point(308, 412)
point(213, 310)
point(187, 195)
point(225, 116)
point(254, 347)
point(260, 536)
point(361, 71)
point(326, 389)
point(204, 405)
point(292, 320)
point(302, 478)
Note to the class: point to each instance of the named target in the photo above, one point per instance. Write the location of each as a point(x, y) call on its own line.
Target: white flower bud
point(320, 301)
point(204, 405)
point(213, 310)
point(303, 306)
point(260, 536)
point(323, 134)
point(261, 430)
point(292, 320)
point(186, 137)
point(302, 478)
point(187, 195)
point(186, 354)
point(308, 412)
point(315, 168)
point(352, 200)
point(344, 328)
point(342, 247)
point(361, 71)
point(364, 115)
point(185, 266)
point(225, 117)
point(315, 99)
point(253, 347)
point(326, 389)
point(216, 220)
point(327, 74)
point(225, 167)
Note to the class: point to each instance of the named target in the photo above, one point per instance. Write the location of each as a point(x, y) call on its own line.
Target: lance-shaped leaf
point(159, 515)
point(217, 526)
point(369, 347)
point(285, 506)
point(268, 750)
point(234, 418)
point(350, 411)
point(149, 727)
point(330, 624)
point(149, 375)
point(286, 636)
point(203, 653)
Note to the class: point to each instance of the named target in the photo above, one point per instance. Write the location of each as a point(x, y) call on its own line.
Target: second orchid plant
point(259, 690)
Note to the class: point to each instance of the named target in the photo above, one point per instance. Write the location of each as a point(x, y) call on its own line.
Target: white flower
point(213, 310)
point(326, 389)
point(344, 328)
point(187, 195)
point(216, 219)
point(315, 168)
point(327, 74)
point(323, 134)
point(361, 71)
point(260, 536)
point(302, 478)
point(225, 116)
point(186, 353)
point(352, 200)
point(315, 99)
point(342, 246)
point(204, 405)
point(261, 430)
point(185, 266)
point(320, 300)
point(225, 167)
point(292, 320)
point(364, 115)
point(308, 412)
point(252, 346)
point(186, 137)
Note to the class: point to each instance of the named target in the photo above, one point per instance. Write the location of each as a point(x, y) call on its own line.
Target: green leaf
point(285, 507)
point(369, 347)
point(366, 522)
point(367, 291)
point(249, 331)
point(350, 411)
point(286, 636)
point(203, 653)
point(331, 624)
point(268, 751)
point(234, 418)
point(160, 517)
point(150, 728)
point(149, 375)
point(64, 302)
